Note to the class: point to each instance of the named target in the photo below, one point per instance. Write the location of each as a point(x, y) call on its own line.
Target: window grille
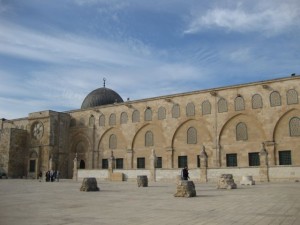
point(124, 118)
point(102, 121)
point(175, 111)
point(254, 159)
point(206, 107)
point(294, 127)
point(119, 163)
point(192, 136)
point(239, 104)
point(161, 113)
point(112, 119)
point(149, 139)
point(190, 109)
point(231, 160)
point(104, 163)
point(158, 162)
point(275, 99)
point(141, 163)
point(182, 161)
point(292, 97)
point(241, 132)
point(135, 116)
point(285, 158)
point(257, 101)
point(148, 115)
point(113, 141)
point(222, 105)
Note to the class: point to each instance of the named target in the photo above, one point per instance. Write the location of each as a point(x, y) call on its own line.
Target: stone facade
point(231, 123)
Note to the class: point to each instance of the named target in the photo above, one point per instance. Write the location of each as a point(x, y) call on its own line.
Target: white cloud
point(268, 17)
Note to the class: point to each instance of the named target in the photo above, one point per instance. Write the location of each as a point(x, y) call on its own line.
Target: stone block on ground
point(247, 180)
point(89, 184)
point(142, 181)
point(117, 177)
point(185, 189)
point(226, 181)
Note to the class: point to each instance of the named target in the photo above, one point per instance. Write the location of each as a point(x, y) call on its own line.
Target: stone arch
point(80, 144)
point(104, 150)
point(228, 143)
point(281, 136)
point(138, 143)
point(182, 148)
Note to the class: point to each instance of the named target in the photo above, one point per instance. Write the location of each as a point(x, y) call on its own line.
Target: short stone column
point(111, 165)
point(89, 184)
point(142, 181)
point(226, 181)
point(247, 180)
point(264, 168)
point(129, 154)
point(185, 188)
point(152, 159)
point(75, 168)
point(203, 165)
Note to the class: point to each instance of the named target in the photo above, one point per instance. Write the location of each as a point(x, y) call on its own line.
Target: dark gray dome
point(101, 96)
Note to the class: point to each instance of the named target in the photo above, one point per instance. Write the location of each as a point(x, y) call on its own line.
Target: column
point(129, 159)
point(203, 165)
point(75, 168)
point(264, 169)
point(111, 165)
point(152, 159)
point(169, 154)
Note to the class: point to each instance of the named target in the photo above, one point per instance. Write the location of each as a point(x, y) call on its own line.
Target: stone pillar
point(169, 154)
point(51, 163)
point(264, 168)
point(152, 159)
point(218, 155)
point(203, 165)
point(270, 148)
point(75, 168)
point(129, 159)
point(111, 165)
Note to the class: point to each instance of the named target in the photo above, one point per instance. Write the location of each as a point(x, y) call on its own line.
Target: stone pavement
point(29, 202)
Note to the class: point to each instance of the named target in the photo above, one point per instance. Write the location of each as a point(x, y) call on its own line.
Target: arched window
point(112, 119)
point(161, 113)
point(257, 101)
point(275, 99)
point(241, 132)
point(206, 107)
point(192, 136)
point(292, 97)
point(294, 127)
point(91, 121)
point(222, 105)
point(135, 116)
point(175, 111)
point(102, 120)
point(190, 109)
point(113, 141)
point(149, 139)
point(124, 118)
point(239, 103)
point(148, 114)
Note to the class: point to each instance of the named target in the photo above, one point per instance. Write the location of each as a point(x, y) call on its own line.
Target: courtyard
point(30, 202)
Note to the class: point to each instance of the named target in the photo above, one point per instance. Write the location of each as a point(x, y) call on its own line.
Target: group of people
point(50, 176)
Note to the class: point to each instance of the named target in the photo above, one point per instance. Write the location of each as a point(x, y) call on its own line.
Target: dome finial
point(104, 79)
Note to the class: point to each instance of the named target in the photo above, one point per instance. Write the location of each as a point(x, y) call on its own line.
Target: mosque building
point(251, 128)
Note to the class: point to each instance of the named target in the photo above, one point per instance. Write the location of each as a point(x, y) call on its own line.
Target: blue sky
point(54, 52)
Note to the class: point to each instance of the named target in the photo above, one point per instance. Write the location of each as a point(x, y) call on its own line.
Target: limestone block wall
point(98, 174)
point(284, 173)
point(18, 153)
point(4, 148)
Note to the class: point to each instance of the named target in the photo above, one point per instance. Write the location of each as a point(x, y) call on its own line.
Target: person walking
point(185, 173)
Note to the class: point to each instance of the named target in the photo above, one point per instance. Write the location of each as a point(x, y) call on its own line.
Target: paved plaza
point(29, 202)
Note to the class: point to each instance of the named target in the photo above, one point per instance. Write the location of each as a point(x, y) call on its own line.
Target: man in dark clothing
point(185, 173)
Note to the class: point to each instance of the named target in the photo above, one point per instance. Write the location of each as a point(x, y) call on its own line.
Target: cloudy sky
point(54, 52)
